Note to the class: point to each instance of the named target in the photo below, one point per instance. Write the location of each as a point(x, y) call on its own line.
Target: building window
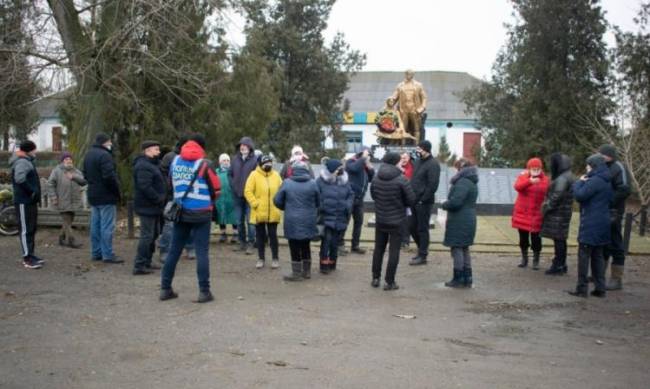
point(353, 140)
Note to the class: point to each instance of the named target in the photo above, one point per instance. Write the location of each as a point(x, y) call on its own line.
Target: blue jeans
point(242, 214)
point(165, 241)
point(182, 233)
point(102, 225)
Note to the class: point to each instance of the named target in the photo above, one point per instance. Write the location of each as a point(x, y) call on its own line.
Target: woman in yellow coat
point(261, 187)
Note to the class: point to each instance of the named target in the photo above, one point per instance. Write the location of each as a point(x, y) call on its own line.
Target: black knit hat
point(332, 165)
point(27, 146)
point(264, 159)
point(425, 145)
point(391, 158)
point(608, 150)
point(149, 143)
point(101, 138)
point(595, 160)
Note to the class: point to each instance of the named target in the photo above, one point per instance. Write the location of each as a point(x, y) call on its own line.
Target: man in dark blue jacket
point(103, 196)
point(27, 195)
point(149, 201)
point(360, 173)
point(594, 192)
point(620, 181)
point(241, 166)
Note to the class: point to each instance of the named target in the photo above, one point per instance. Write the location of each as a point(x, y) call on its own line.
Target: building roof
point(368, 91)
point(48, 106)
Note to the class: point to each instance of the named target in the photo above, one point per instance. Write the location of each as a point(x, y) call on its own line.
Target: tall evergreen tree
point(313, 76)
point(553, 68)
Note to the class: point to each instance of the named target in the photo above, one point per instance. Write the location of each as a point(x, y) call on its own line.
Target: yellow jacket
point(259, 191)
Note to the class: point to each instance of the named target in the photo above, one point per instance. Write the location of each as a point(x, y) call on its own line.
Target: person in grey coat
point(460, 228)
point(557, 209)
point(64, 190)
point(299, 198)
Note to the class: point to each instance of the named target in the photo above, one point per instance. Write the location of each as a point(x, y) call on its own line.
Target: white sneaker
point(275, 264)
point(260, 264)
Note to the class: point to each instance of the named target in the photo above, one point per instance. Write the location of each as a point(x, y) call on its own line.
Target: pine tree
point(553, 69)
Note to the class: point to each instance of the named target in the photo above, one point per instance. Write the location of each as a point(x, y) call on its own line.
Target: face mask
point(267, 168)
point(109, 147)
point(225, 165)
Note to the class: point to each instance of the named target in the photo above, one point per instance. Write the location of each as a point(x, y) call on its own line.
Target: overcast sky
point(455, 35)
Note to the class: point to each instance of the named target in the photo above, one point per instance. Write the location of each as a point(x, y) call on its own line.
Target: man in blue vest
point(27, 195)
point(196, 186)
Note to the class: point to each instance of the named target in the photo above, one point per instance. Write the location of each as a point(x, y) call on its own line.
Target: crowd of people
point(179, 196)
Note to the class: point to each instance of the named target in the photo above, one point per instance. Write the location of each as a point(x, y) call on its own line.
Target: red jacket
point(408, 170)
point(527, 214)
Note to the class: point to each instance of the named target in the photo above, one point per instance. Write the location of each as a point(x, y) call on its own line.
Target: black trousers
point(535, 240)
point(27, 217)
point(593, 255)
point(357, 224)
point(150, 227)
point(264, 232)
point(329, 245)
point(615, 248)
point(559, 246)
point(420, 227)
point(391, 235)
point(299, 249)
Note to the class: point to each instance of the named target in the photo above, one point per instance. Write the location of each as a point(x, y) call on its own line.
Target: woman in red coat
point(531, 188)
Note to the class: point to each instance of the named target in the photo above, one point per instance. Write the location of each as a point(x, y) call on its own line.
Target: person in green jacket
point(225, 204)
point(460, 228)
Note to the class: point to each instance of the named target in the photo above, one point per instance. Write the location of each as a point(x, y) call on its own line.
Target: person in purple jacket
point(242, 164)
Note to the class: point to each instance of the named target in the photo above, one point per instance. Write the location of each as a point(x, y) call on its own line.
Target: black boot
point(296, 272)
point(167, 294)
point(467, 277)
point(524, 258)
point(457, 281)
point(306, 269)
point(555, 269)
point(205, 296)
point(536, 260)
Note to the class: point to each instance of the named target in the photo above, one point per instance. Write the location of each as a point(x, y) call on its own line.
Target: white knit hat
point(224, 157)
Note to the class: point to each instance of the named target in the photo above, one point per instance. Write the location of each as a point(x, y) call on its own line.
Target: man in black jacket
point(242, 164)
point(392, 194)
point(360, 174)
point(426, 176)
point(149, 201)
point(620, 181)
point(27, 195)
point(103, 196)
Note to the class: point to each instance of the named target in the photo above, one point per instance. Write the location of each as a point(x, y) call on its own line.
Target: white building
point(445, 111)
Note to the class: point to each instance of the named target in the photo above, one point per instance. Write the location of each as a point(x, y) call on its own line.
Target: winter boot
point(555, 268)
point(467, 277)
point(306, 269)
point(332, 264)
point(457, 281)
point(616, 280)
point(524, 258)
point(62, 240)
point(223, 238)
point(205, 296)
point(296, 272)
point(234, 239)
point(325, 265)
point(536, 260)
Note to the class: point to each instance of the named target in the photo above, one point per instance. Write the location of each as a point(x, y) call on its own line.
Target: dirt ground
point(76, 324)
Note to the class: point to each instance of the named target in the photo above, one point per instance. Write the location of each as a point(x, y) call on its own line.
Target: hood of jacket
point(300, 174)
point(246, 141)
point(17, 155)
point(331, 178)
point(192, 151)
point(470, 172)
point(388, 172)
point(601, 171)
point(560, 163)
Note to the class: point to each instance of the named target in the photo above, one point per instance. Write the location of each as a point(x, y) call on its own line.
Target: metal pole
point(130, 216)
point(627, 232)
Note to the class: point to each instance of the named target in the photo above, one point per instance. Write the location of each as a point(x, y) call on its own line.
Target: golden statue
point(412, 102)
point(389, 124)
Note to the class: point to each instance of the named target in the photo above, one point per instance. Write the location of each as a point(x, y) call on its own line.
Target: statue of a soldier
point(412, 101)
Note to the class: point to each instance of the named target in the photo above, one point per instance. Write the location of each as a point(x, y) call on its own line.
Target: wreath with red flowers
point(387, 121)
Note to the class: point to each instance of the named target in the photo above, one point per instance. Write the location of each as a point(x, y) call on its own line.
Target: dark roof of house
point(48, 106)
point(369, 90)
